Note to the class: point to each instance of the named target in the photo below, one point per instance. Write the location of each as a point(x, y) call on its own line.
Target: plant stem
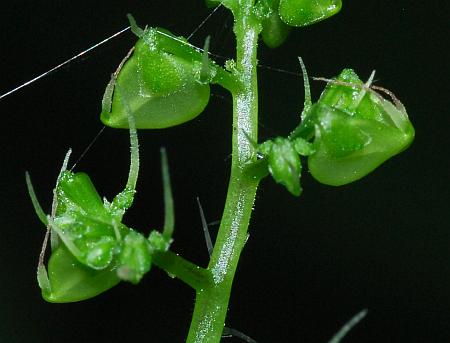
point(188, 272)
point(211, 303)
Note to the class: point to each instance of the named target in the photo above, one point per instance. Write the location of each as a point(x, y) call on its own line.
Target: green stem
point(188, 272)
point(212, 302)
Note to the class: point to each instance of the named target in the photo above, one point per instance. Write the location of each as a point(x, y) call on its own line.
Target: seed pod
point(161, 82)
point(307, 12)
point(355, 130)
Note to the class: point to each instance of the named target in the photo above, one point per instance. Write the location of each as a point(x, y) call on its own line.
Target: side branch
point(188, 272)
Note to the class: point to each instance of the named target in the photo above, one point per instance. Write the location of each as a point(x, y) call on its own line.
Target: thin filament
point(29, 82)
point(118, 33)
point(204, 21)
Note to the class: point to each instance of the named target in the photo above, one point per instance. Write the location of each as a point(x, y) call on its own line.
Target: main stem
point(211, 303)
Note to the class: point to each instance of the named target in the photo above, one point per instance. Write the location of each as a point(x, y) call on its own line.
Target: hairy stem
point(211, 302)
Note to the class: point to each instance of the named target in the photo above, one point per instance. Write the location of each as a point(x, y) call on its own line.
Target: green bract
point(355, 130)
point(91, 249)
point(97, 250)
point(161, 82)
point(307, 12)
point(96, 245)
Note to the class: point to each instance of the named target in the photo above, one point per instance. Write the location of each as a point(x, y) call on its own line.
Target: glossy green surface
point(97, 250)
point(161, 82)
point(72, 281)
point(274, 30)
point(307, 12)
point(84, 223)
point(355, 131)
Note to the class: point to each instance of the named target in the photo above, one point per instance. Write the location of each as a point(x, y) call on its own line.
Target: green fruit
point(307, 12)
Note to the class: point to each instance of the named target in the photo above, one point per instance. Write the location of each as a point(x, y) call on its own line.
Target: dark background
point(382, 243)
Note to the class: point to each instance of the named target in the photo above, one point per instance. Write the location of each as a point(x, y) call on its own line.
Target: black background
point(382, 243)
